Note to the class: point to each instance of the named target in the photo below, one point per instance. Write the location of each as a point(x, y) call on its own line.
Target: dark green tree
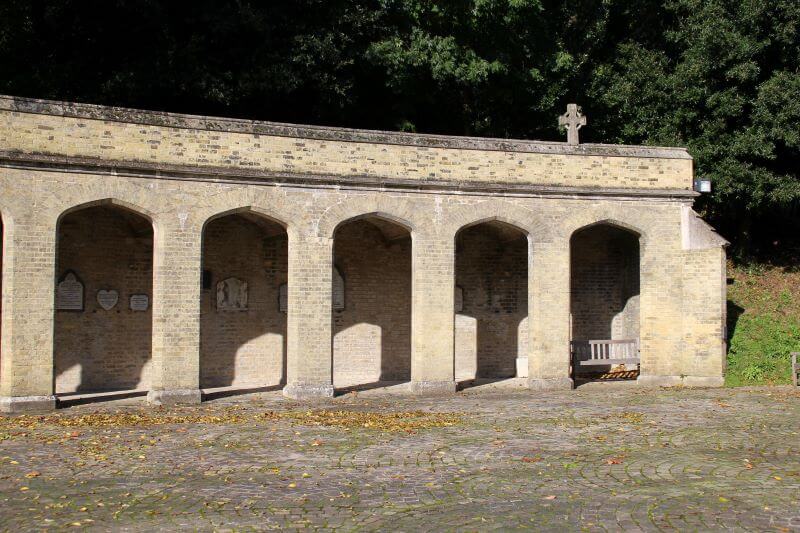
point(721, 77)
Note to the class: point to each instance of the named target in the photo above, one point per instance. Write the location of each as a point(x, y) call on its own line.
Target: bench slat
point(600, 362)
point(599, 352)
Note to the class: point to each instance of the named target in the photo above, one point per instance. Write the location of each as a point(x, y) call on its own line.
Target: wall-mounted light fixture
point(701, 185)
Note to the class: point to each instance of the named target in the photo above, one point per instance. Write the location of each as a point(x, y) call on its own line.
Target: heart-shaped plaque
point(107, 299)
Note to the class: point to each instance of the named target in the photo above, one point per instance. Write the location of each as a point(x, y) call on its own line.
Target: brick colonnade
point(30, 257)
point(180, 171)
point(29, 264)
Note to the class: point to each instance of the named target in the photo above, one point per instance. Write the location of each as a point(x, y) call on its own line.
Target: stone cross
point(573, 119)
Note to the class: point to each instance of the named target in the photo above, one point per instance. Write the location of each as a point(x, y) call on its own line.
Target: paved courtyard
point(598, 458)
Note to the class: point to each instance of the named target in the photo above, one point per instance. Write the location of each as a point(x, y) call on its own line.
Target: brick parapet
point(38, 132)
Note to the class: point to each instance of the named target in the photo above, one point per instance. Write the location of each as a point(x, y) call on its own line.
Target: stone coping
point(197, 122)
point(144, 169)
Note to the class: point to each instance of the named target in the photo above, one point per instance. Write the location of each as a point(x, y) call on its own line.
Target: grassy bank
point(763, 323)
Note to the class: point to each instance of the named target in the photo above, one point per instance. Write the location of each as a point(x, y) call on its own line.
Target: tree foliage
point(721, 77)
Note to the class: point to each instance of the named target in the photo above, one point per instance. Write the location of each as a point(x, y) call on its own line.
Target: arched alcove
point(372, 321)
point(242, 315)
point(103, 317)
point(605, 286)
point(492, 276)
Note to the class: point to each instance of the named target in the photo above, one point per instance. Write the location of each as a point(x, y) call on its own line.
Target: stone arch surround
point(243, 348)
point(372, 334)
point(492, 275)
point(605, 283)
point(110, 249)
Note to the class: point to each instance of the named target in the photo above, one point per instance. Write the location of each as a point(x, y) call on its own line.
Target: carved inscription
point(107, 299)
point(232, 295)
point(69, 293)
point(139, 302)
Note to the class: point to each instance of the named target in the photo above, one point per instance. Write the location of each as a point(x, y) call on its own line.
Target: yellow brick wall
point(126, 143)
point(681, 278)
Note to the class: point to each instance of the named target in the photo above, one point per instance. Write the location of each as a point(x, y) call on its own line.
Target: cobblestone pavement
point(597, 459)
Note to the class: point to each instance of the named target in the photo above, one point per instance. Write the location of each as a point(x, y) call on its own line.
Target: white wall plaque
point(232, 295)
point(69, 293)
point(459, 299)
point(283, 298)
point(139, 302)
point(338, 290)
point(107, 298)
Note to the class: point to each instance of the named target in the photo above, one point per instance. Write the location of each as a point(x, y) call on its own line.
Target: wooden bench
point(604, 353)
point(795, 367)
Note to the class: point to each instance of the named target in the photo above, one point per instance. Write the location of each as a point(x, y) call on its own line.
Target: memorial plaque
point(283, 298)
point(139, 302)
point(338, 290)
point(107, 298)
point(232, 295)
point(459, 299)
point(69, 293)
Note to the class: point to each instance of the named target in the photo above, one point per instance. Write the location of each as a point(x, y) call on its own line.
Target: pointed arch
point(105, 342)
point(396, 210)
point(605, 292)
point(493, 250)
point(584, 219)
point(267, 204)
point(128, 206)
point(521, 218)
point(372, 280)
point(630, 228)
point(132, 196)
point(265, 213)
point(244, 253)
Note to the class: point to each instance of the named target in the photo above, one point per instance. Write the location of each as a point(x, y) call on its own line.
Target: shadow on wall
point(604, 283)
point(733, 312)
point(103, 345)
point(372, 334)
point(492, 276)
point(243, 328)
